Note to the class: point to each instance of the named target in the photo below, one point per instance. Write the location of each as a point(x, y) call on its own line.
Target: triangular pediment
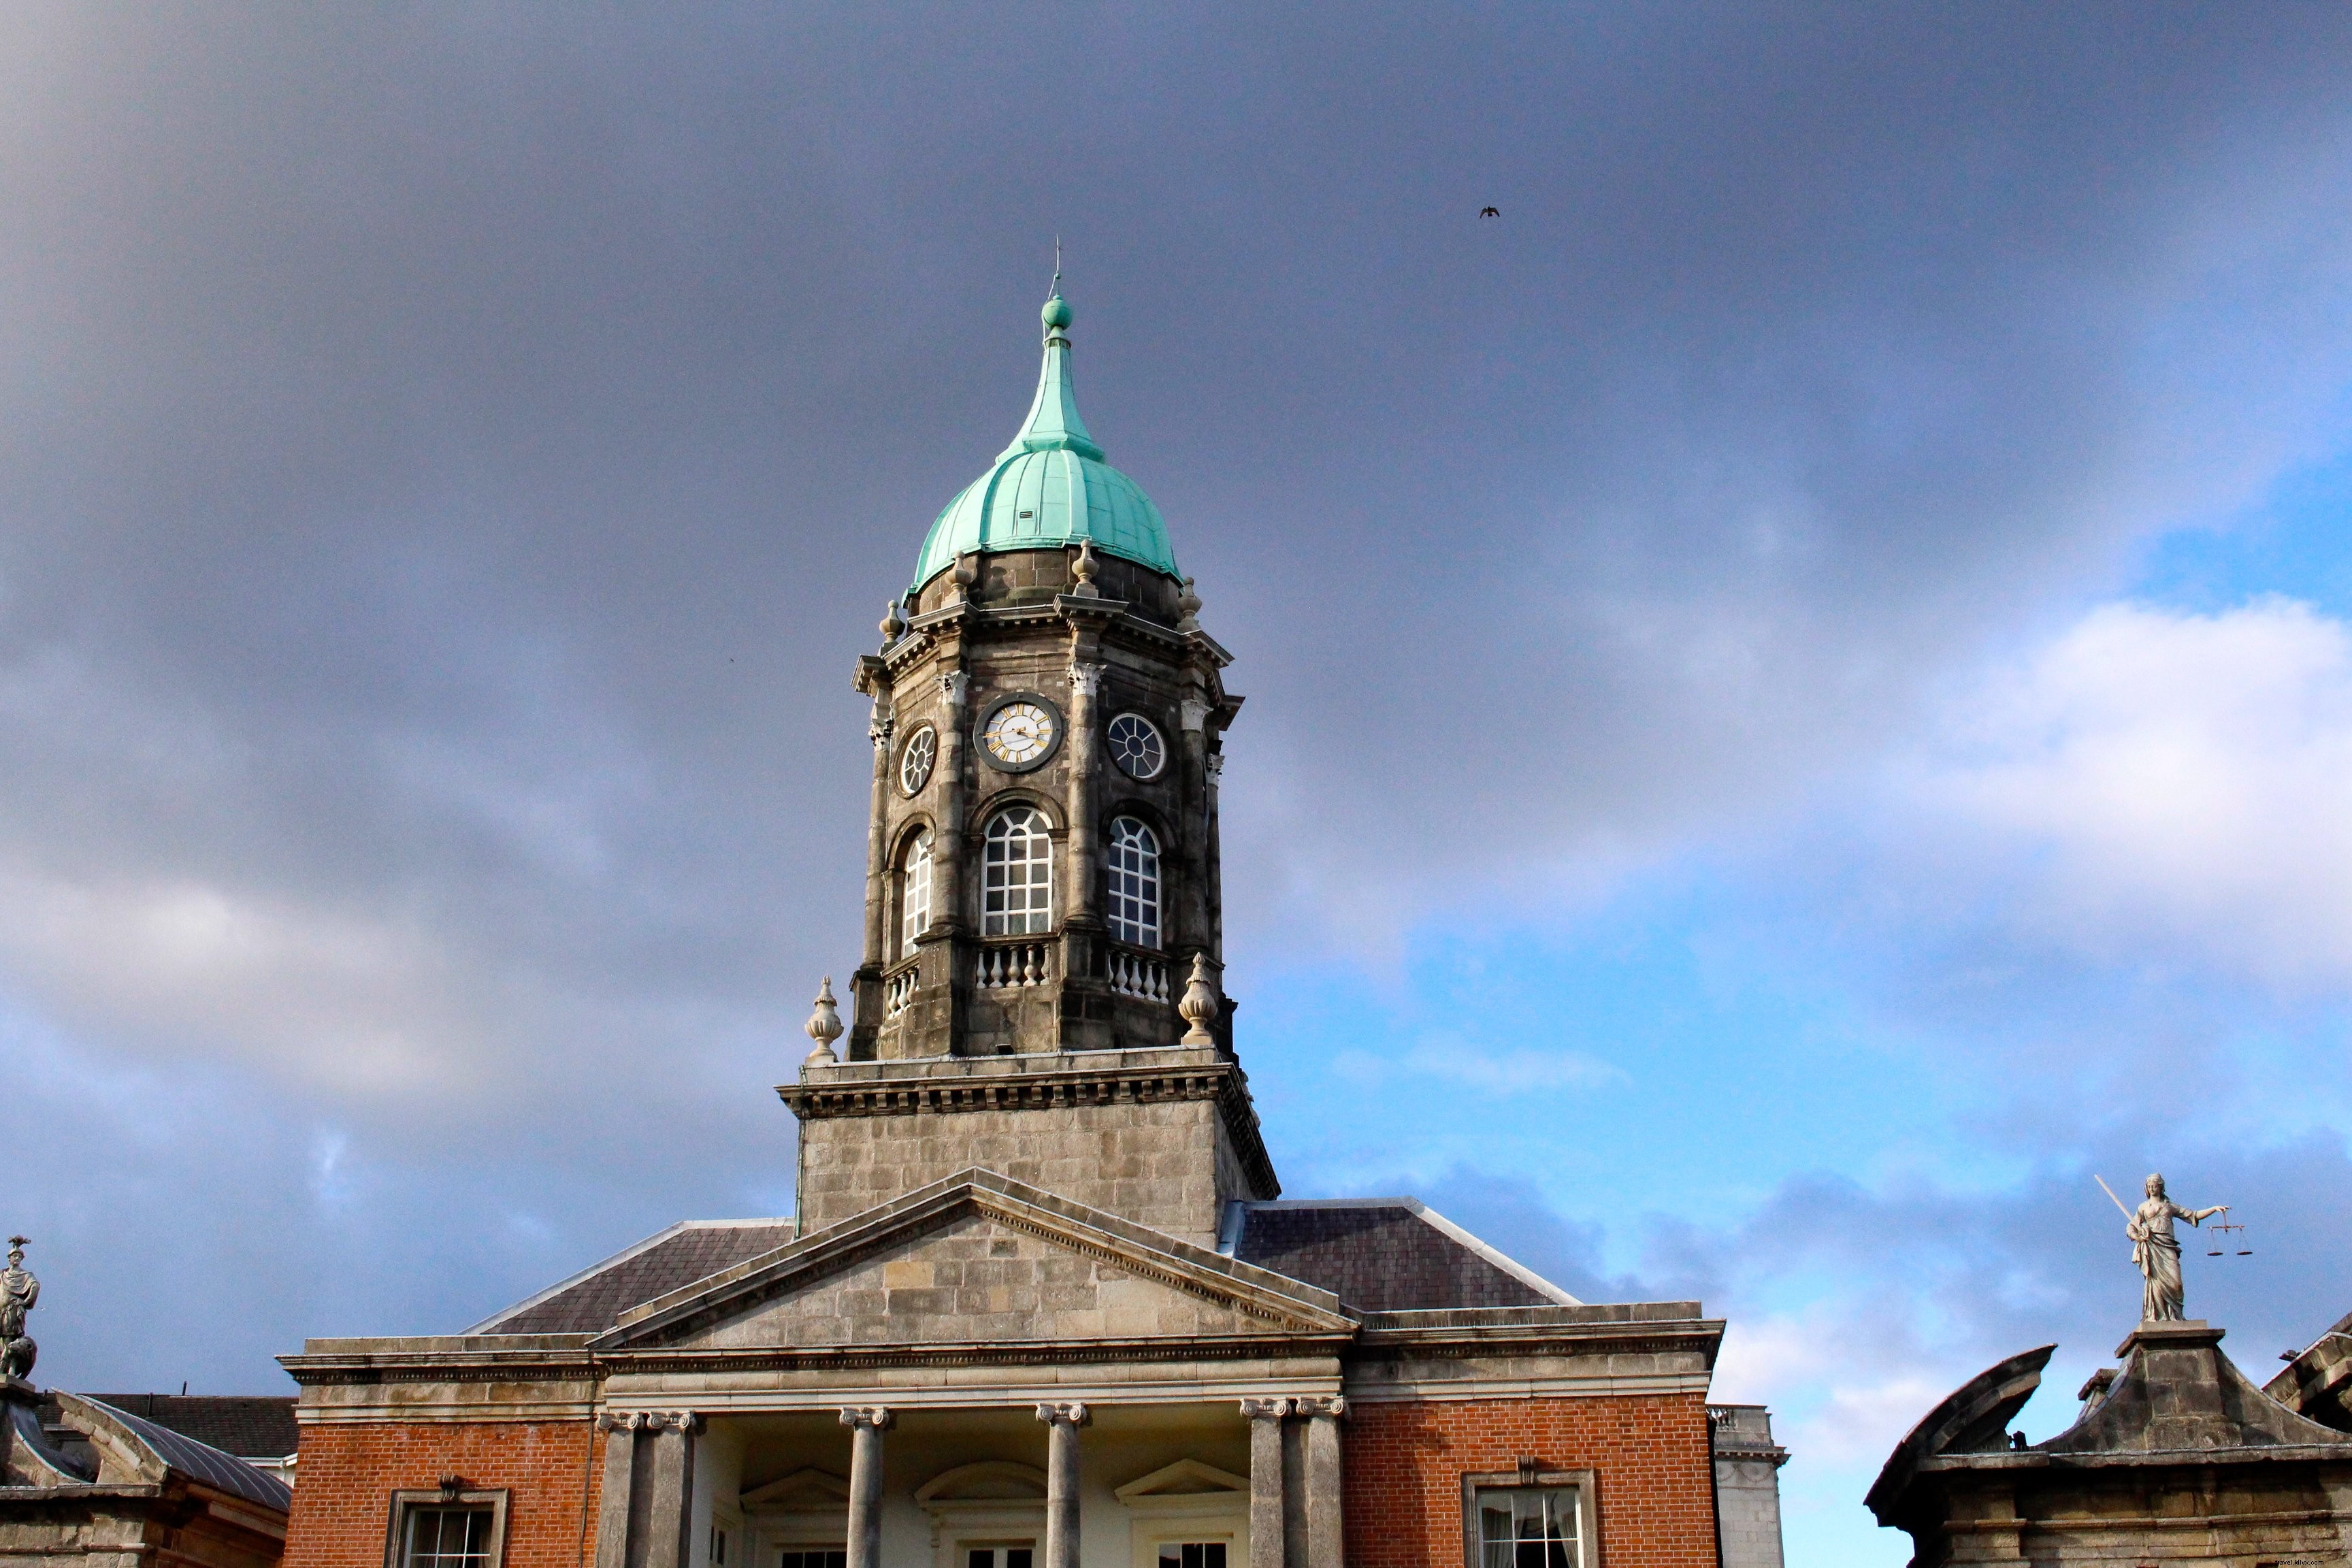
point(1184, 1479)
point(979, 1258)
point(805, 1490)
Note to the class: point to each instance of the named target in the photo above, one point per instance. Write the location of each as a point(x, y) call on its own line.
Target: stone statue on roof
point(18, 1291)
point(2157, 1251)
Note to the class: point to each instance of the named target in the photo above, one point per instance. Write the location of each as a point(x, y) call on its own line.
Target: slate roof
point(589, 1302)
point(1383, 1254)
point(206, 1463)
point(1377, 1255)
point(251, 1425)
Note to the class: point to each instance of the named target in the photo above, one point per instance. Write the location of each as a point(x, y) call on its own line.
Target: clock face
point(1020, 733)
point(1136, 746)
point(915, 761)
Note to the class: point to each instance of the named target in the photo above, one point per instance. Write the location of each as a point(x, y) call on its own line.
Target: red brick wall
point(1654, 1483)
point(347, 1474)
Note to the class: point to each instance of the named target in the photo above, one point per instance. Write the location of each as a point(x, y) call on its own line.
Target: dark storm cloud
point(453, 455)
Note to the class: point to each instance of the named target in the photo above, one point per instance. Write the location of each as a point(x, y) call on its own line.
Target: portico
point(965, 1486)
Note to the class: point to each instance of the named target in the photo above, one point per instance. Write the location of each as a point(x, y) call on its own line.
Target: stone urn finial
point(894, 627)
point(966, 575)
point(1188, 607)
point(1083, 570)
point(1199, 1007)
point(823, 1025)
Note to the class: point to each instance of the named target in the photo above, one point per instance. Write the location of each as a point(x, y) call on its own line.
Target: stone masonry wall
point(342, 1506)
point(1160, 1163)
point(1404, 1464)
point(1747, 1496)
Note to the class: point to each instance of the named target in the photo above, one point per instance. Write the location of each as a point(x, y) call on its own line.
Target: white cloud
point(2179, 786)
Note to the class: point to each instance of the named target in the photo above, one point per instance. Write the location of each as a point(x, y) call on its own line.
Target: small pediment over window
point(990, 1481)
point(1186, 1478)
point(808, 1491)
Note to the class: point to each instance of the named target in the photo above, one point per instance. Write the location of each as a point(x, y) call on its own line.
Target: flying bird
point(1490, 211)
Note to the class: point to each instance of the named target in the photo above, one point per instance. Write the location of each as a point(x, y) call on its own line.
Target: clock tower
point(1043, 925)
point(1048, 714)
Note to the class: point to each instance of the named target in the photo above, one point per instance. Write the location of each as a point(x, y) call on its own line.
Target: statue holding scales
point(2156, 1250)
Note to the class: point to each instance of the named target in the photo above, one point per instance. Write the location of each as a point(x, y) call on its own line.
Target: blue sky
point(1799, 680)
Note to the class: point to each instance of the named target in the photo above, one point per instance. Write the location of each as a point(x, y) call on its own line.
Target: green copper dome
point(1051, 487)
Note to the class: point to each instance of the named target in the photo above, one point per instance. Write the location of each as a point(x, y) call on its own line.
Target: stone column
point(1062, 1423)
point(666, 1518)
point(1085, 897)
point(1265, 1416)
point(879, 729)
point(867, 1422)
point(948, 844)
point(620, 1428)
point(1326, 1542)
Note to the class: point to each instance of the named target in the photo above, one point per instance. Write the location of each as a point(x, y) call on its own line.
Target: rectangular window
point(997, 1557)
point(814, 1557)
point(1529, 1527)
point(448, 1538)
point(454, 1528)
point(1192, 1554)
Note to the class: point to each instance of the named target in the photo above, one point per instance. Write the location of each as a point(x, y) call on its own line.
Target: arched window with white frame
point(1017, 880)
point(915, 894)
point(1134, 864)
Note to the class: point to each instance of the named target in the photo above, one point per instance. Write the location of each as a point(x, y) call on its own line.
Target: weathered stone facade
point(1087, 652)
point(1166, 1138)
point(102, 1489)
point(1746, 1486)
point(2175, 1458)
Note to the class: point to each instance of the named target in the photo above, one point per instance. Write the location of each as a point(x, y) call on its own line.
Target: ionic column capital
point(684, 1420)
point(1326, 1408)
point(876, 1416)
point(1069, 1414)
point(1265, 1409)
point(621, 1420)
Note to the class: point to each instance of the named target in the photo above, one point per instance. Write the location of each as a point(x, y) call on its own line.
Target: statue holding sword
point(2156, 1249)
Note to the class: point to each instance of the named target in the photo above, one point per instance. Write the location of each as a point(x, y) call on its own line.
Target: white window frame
point(1145, 933)
point(915, 893)
point(406, 1503)
point(1037, 840)
point(1530, 1478)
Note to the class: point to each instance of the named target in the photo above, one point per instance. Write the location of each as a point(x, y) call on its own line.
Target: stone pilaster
point(1325, 1537)
point(648, 1481)
point(1265, 1416)
point(672, 1502)
point(1062, 1423)
point(867, 1422)
point(620, 1428)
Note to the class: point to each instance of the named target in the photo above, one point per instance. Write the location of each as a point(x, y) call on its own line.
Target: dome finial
point(1057, 314)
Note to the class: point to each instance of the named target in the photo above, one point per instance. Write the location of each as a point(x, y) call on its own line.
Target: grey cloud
point(453, 454)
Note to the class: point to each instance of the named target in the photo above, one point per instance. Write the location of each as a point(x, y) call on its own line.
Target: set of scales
point(2230, 1232)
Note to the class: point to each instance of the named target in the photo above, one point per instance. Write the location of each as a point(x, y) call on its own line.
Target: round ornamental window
point(915, 761)
point(1021, 732)
point(1136, 746)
